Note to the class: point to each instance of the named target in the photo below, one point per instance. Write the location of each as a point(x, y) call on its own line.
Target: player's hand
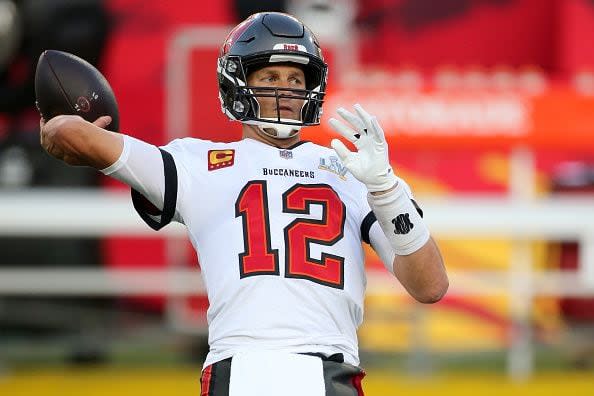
point(54, 134)
point(370, 164)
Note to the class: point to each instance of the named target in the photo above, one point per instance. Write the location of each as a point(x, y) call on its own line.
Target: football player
point(278, 222)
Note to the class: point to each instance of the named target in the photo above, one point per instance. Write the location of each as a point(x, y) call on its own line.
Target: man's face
point(278, 76)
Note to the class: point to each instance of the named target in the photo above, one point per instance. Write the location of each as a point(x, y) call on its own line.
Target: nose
point(287, 95)
point(287, 89)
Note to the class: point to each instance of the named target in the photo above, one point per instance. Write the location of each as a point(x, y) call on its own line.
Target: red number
point(258, 257)
point(329, 270)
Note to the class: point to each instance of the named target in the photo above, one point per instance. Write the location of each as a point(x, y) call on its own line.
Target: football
point(67, 84)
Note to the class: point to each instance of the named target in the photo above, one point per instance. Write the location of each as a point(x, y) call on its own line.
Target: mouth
point(285, 108)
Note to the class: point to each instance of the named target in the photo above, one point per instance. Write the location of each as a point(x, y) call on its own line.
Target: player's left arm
point(423, 273)
point(417, 262)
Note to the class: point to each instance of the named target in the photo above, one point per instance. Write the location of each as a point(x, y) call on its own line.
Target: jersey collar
point(291, 147)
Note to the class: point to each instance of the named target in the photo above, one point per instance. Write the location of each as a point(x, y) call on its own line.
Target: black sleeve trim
point(417, 207)
point(170, 196)
point(366, 226)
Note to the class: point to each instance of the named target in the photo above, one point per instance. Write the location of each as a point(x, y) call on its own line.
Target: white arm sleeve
point(381, 245)
point(141, 167)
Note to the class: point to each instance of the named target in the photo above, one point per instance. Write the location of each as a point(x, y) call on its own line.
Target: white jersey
point(278, 233)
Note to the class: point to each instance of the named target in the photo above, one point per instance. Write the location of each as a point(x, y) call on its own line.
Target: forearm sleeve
point(382, 247)
point(400, 220)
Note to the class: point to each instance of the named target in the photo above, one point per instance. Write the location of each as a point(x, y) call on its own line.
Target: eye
point(269, 78)
point(296, 81)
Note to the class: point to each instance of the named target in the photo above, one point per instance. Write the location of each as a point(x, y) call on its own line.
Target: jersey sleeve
point(152, 174)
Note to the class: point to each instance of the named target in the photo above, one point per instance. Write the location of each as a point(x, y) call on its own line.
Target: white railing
point(95, 213)
point(89, 212)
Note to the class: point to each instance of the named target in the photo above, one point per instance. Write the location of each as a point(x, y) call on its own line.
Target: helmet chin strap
point(278, 131)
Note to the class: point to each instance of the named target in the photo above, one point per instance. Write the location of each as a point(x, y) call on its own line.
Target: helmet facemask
point(278, 126)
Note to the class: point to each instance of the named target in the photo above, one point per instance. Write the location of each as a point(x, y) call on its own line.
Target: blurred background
point(489, 109)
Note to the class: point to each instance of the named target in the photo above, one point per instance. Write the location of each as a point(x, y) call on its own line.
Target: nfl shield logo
point(286, 154)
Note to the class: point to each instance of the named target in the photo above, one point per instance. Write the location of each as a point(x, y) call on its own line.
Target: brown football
point(67, 84)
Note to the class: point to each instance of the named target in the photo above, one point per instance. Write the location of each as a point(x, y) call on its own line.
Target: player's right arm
point(78, 142)
point(136, 163)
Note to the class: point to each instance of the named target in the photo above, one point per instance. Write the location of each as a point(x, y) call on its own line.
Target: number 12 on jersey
point(259, 258)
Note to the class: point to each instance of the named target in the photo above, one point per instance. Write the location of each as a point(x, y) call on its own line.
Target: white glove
point(370, 164)
point(398, 218)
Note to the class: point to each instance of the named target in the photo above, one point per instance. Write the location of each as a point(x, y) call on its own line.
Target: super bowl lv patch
point(218, 159)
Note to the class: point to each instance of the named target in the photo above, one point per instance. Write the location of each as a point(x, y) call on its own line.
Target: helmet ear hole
point(253, 105)
point(231, 67)
point(239, 107)
point(250, 105)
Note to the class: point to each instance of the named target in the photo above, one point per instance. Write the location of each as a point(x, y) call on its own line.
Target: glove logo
point(402, 224)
